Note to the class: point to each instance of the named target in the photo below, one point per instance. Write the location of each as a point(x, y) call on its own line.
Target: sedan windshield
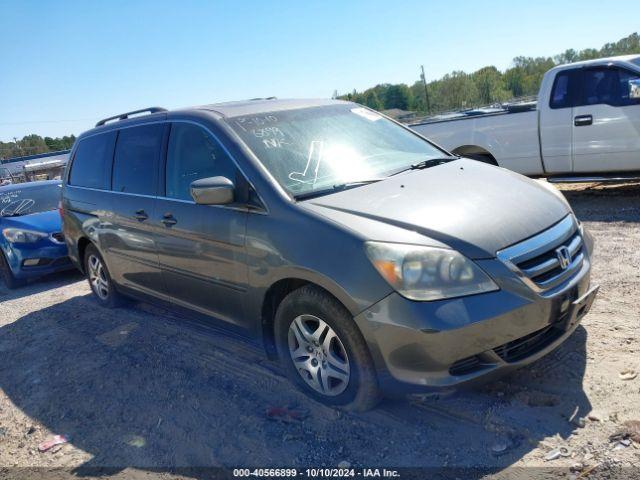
point(320, 148)
point(16, 201)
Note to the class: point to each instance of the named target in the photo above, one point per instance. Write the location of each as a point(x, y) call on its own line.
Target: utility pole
point(426, 92)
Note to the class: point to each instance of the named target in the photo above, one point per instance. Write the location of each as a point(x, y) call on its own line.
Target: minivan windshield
point(319, 148)
point(16, 201)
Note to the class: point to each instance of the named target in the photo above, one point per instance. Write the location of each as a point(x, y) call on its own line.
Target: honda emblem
point(564, 257)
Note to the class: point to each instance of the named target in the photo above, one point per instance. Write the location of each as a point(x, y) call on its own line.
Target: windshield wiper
point(336, 188)
point(429, 162)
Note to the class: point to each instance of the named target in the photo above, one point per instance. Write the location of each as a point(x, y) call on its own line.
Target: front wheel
point(323, 352)
point(99, 279)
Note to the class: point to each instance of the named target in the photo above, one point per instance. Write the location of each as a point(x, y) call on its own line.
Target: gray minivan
point(366, 258)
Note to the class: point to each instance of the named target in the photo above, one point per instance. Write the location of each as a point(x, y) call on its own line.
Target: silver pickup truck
point(585, 125)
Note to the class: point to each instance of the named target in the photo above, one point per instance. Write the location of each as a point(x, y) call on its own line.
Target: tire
point(10, 281)
point(340, 349)
point(99, 279)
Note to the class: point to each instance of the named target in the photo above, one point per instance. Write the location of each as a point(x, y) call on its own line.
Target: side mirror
point(634, 88)
point(213, 191)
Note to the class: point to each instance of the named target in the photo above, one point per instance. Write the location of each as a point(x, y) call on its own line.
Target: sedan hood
point(474, 208)
point(45, 222)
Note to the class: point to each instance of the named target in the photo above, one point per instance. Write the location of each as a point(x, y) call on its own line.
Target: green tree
point(371, 100)
point(398, 96)
point(490, 86)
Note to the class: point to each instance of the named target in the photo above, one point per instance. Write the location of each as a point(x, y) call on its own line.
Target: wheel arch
point(83, 243)
point(279, 290)
point(476, 152)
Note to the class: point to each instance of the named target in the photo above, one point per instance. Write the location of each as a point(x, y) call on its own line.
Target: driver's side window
point(193, 154)
point(608, 86)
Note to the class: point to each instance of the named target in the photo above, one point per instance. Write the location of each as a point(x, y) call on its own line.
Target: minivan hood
point(472, 207)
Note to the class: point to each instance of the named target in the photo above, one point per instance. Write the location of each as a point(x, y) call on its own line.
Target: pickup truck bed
point(508, 134)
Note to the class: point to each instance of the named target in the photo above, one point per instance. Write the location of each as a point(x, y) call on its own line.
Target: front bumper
point(422, 345)
point(51, 258)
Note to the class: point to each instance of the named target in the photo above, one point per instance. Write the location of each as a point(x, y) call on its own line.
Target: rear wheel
point(99, 279)
point(481, 157)
point(7, 275)
point(323, 352)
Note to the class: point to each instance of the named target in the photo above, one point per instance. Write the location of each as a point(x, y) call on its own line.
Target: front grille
point(537, 260)
point(510, 352)
point(528, 345)
point(58, 237)
point(466, 365)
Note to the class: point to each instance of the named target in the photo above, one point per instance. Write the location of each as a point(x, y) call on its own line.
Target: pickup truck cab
point(586, 123)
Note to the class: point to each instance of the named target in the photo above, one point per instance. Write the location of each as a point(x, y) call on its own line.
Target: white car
point(585, 124)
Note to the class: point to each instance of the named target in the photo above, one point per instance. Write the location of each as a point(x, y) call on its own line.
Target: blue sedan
point(31, 240)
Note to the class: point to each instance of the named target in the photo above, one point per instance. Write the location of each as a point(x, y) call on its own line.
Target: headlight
point(18, 235)
point(427, 273)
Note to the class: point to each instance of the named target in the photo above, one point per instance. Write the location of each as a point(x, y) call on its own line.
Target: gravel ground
point(141, 389)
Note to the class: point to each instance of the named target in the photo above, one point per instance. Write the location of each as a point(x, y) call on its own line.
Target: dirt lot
point(143, 389)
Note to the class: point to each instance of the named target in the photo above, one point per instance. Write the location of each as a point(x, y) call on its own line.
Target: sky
point(66, 64)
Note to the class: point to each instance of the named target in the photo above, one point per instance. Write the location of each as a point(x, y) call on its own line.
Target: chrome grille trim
point(535, 262)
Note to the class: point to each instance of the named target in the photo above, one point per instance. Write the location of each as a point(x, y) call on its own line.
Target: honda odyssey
point(367, 259)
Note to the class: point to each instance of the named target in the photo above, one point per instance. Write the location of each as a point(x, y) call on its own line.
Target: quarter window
point(193, 154)
point(137, 158)
point(563, 90)
point(91, 166)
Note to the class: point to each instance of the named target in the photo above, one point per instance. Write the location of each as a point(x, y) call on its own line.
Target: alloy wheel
point(98, 277)
point(319, 355)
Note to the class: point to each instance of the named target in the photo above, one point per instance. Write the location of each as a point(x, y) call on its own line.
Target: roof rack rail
point(124, 116)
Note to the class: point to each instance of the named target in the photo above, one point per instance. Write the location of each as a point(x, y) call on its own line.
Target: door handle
point(169, 220)
point(583, 120)
point(141, 215)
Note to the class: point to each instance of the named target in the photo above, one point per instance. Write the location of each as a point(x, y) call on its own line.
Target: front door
point(606, 123)
point(201, 248)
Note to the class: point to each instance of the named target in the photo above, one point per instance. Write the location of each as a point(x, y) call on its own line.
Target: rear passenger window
point(562, 93)
point(193, 154)
point(137, 159)
point(91, 165)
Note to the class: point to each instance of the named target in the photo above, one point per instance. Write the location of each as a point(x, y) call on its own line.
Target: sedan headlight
point(18, 235)
point(428, 273)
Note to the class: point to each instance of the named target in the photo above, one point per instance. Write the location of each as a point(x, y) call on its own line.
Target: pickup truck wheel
point(10, 281)
point(323, 352)
point(99, 279)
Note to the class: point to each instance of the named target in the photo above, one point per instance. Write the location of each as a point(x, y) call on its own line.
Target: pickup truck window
point(560, 95)
point(564, 89)
point(609, 86)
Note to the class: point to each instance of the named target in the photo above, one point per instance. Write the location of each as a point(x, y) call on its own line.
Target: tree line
point(458, 90)
point(34, 144)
